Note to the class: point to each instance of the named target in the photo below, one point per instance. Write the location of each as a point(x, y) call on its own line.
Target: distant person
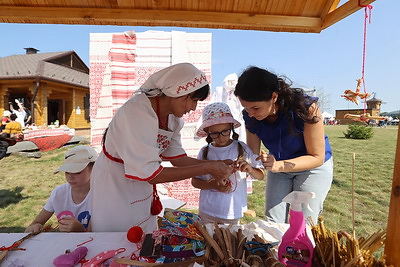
point(13, 129)
point(290, 125)
point(28, 116)
point(20, 112)
point(224, 203)
point(70, 201)
point(225, 95)
point(5, 142)
point(5, 119)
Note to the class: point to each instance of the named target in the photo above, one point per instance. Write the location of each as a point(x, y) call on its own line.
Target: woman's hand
point(220, 170)
point(269, 162)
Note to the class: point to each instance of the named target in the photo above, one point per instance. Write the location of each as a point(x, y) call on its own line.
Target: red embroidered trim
point(148, 178)
point(192, 84)
point(141, 200)
point(131, 176)
point(175, 157)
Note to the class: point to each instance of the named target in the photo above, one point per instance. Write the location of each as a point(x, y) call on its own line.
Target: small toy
point(351, 96)
point(102, 257)
point(363, 117)
point(70, 259)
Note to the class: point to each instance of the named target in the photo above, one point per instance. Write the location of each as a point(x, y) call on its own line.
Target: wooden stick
point(210, 240)
point(170, 264)
point(17, 243)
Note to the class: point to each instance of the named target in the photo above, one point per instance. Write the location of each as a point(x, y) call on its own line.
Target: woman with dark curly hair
point(289, 124)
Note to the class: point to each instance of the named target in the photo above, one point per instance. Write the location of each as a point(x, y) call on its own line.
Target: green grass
point(26, 183)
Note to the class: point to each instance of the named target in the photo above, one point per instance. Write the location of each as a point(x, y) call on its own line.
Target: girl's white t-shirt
point(61, 203)
point(227, 205)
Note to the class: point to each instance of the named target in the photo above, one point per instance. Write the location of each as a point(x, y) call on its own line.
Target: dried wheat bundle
point(344, 250)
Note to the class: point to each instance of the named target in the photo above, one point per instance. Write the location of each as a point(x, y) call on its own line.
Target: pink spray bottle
point(296, 248)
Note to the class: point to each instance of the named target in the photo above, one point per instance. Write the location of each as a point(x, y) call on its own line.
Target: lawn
point(26, 183)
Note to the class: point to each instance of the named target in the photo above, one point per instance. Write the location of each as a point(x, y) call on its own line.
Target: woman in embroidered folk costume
point(144, 132)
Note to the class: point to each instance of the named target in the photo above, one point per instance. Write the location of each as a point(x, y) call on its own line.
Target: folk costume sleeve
point(132, 137)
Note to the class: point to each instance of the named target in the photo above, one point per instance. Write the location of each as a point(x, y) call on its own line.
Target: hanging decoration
point(353, 96)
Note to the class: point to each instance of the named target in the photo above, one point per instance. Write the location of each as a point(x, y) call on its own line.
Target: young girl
point(70, 201)
point(224, 202)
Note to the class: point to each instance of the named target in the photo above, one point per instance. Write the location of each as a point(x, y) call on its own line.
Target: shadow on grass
point(8, 196)
point(15, 229)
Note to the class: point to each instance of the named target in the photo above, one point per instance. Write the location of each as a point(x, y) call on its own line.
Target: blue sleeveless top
point(277, 138)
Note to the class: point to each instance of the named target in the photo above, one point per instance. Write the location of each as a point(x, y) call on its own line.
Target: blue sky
point(330, 61)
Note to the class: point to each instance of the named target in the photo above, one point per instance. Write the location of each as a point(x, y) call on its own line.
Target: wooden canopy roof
point(306, 16)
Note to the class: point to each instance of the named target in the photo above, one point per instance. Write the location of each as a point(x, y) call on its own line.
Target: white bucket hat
point(77, 158)
point(175, 81)
point(216, 113)
point(6, 113)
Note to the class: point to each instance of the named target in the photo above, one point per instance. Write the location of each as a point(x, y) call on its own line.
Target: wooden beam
point(343, 11)
point(121, 16)
point(393, 225)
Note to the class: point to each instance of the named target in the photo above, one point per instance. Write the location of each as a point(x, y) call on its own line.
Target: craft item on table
point(70, 259)
point(363, 117)
point(151, 250)
point(178, 236)
point(227, 246)
point(258, 248)
point(4, 250)
point(174, 246)
point(343, 249)
point(135, 234)
point(102, 257)
point(180, 223)
point(352, 96)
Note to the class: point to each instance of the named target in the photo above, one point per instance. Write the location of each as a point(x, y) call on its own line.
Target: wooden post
point(393, 225)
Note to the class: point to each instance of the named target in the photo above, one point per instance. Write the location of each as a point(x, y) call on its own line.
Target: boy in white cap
point(70, 201)
point(144, 132)
point(224, 204)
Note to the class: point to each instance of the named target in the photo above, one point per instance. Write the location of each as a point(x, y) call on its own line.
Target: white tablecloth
point(44, 247)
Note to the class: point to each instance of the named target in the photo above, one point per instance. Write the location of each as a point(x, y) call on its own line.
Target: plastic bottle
point(296, 248)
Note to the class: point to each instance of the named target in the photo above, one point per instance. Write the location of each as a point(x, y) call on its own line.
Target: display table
point(29, 134)
point(44, 247)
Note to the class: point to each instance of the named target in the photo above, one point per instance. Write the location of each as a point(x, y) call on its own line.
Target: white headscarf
point(174, 81)
point(230, 82)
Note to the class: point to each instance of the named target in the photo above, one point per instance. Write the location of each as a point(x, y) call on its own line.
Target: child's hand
point(34, 228)
point(224, 186)
point(69, 224)
point(242, 165)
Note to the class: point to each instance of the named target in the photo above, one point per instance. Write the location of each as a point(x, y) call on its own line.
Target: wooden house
point(53, 86)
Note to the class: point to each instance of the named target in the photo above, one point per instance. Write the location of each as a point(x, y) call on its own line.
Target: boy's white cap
point(175, 81)
point(77, 158)
point(216, 113)
point(6, 113)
